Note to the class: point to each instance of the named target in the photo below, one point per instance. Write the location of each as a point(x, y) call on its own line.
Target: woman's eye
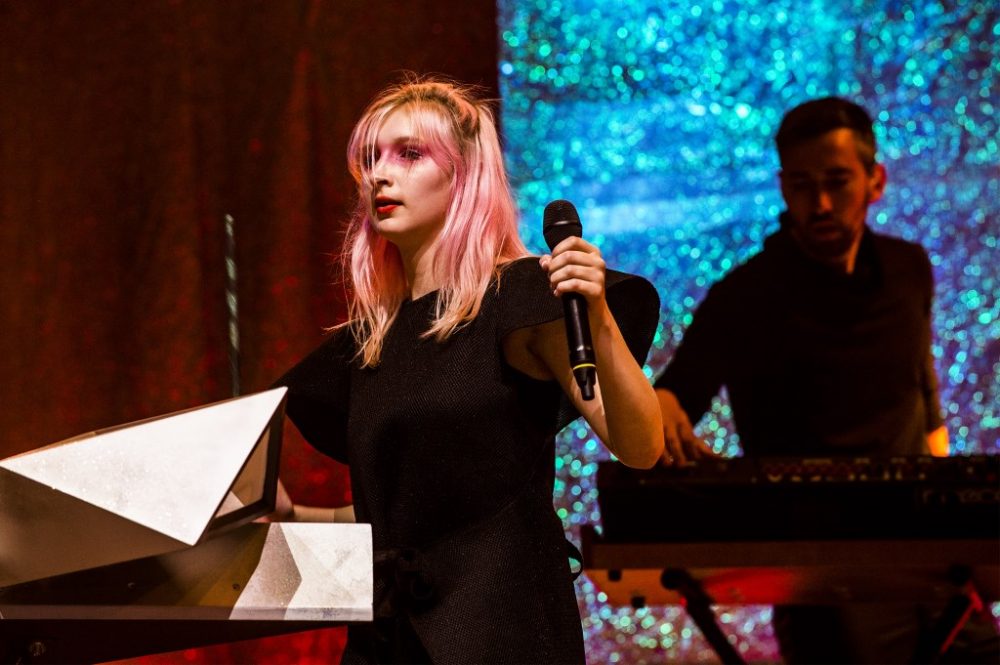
point(411, 154)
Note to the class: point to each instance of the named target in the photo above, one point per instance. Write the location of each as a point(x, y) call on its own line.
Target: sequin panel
point(657, 119)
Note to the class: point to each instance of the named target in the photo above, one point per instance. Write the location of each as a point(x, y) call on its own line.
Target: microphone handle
point(581, 347)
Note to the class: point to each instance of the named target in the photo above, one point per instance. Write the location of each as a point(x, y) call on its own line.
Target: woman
point(446, 387)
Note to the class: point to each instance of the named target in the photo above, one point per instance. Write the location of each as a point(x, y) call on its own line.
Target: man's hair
point(819, 116)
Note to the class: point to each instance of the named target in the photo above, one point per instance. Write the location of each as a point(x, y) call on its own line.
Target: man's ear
point(876, 183)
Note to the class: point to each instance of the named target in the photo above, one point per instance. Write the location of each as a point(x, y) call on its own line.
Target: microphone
point(559, 222)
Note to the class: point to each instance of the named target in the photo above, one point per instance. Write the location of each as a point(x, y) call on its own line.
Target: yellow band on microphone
point(582, 366)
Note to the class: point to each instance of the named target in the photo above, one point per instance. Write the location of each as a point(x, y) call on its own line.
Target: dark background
point(127, 131)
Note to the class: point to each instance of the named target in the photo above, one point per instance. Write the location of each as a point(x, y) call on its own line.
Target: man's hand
point(681, 443)
point(937, 441)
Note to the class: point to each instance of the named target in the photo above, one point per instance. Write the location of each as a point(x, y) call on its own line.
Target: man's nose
point(823, 202)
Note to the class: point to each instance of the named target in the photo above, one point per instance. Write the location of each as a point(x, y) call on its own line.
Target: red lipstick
point(385, 205)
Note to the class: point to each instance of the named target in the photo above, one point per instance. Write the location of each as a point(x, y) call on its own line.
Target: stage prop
point(138, 539)
point(840, 531)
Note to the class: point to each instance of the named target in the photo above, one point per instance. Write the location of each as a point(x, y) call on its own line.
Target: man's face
point(827, 191)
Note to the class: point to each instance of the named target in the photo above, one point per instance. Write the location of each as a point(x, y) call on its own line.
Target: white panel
point(260, 572)
point(311, 572)
point(336, 570)
point(169, 474)
point(44, 533)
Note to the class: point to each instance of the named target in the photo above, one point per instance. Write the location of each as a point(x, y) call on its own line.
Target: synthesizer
point(777, 499)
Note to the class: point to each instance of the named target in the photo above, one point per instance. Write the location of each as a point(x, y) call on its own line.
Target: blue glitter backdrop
point(656, 118)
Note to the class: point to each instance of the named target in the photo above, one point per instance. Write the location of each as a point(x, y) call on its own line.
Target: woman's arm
point(302, 513)
point(624, 412)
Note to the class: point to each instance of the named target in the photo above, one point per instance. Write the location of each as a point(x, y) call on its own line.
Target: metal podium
point(140, 539)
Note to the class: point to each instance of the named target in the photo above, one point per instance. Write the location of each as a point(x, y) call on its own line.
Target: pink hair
point(480, 229)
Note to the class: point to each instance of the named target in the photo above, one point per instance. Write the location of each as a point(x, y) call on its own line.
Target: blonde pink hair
point(480, 229)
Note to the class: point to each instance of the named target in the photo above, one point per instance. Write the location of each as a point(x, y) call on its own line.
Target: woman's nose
point(379, 173)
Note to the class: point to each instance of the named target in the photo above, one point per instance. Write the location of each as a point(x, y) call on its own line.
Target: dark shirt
point(815, 361)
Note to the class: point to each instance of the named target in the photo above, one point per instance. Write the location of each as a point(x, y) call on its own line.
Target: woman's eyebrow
point(406, 140)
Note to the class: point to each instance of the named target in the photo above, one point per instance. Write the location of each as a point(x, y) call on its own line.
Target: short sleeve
point(524, 296)
point(319, 394)
point(525, 300)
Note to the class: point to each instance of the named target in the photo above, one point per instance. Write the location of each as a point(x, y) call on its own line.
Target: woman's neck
point(418, 268)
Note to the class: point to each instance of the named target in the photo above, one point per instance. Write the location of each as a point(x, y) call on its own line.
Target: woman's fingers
point(575, 266)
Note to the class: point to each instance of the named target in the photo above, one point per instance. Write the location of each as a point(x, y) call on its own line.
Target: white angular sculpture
point(136, 490)
point(105, 535)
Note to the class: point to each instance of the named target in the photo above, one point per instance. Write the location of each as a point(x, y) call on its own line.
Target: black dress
point(451, 455)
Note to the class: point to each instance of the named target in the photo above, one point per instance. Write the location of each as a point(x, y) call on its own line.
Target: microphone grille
point(560, 221)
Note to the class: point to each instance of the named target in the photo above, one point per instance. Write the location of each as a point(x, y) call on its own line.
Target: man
point(822, 339)
point(823, 343)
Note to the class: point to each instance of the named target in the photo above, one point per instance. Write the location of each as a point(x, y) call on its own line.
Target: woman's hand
point(285, 510)
point(576, 266)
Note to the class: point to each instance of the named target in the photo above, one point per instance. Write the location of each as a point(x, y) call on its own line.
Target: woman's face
point(410, 190)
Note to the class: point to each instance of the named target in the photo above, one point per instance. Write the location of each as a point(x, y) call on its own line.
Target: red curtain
point(127, 131)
